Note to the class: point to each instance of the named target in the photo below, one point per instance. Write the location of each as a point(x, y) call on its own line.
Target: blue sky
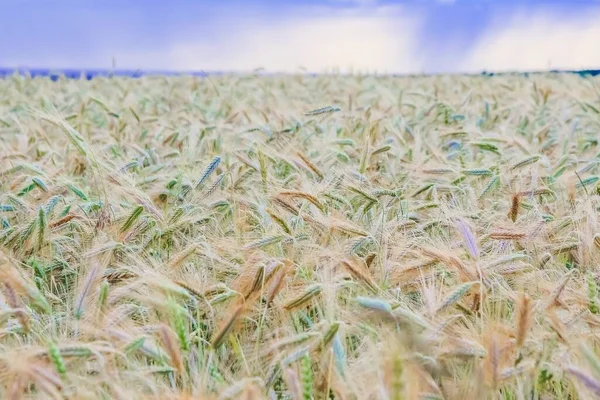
point(410, 36)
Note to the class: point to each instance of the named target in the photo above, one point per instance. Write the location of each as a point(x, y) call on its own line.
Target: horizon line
point(90, 73)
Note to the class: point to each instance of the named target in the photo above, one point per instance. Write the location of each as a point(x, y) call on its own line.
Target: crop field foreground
point(297, 237)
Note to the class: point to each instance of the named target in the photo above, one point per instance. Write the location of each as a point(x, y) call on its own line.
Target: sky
point(383, 36)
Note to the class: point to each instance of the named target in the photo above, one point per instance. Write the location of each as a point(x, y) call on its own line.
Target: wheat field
point(300, 237)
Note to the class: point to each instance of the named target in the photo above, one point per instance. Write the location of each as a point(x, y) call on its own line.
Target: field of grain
point(344, 237)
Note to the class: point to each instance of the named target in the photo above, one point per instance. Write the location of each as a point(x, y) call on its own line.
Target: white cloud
point(381, 39)
point(538, 42)
point(364, 34)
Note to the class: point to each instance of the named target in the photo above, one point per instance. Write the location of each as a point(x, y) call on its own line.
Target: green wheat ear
point(456, 295)
point(78, 192)
point(209, 170)
point(103, 296)
point(27, 232)
point(179, 317)
point(593, 295)
point(57, 359)
point(329, 335)
point(42, 225)
point(40, 184)
point(262, 161)
point(397, 378)
point(135, 214)
point(52, 202)
point(491, 185)
point(306, 377)
point(525, 162)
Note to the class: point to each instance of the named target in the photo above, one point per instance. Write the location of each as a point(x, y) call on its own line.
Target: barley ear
point(168, 340)
point(524, 318)
point(227, 327)
point(456, 295)
point(514, 207)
